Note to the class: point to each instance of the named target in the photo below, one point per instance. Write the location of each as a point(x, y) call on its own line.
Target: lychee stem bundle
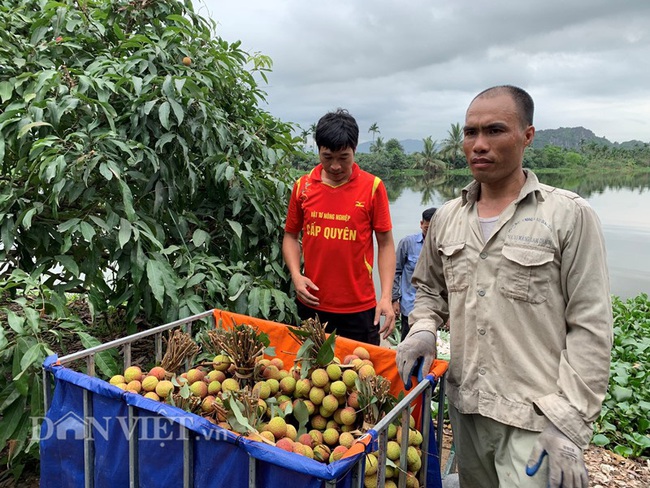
point(180, 347)
point(374, 397)
point(190, 404)
point(313, 329)
point(246, 403)
point(243, 344)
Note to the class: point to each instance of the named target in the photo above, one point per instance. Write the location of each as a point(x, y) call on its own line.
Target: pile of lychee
point(329, 394)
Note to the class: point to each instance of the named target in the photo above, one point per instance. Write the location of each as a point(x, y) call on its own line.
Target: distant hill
point(574, 137)
point(567, 137)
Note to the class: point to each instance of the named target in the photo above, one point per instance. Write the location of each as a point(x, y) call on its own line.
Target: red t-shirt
point(337, 225)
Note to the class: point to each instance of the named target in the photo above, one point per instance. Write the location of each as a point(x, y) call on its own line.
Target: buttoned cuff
point(566, 418)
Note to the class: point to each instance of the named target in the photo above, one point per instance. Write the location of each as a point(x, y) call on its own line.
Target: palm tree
point(374, 128)
point(428, 159)
point(378, 146)
point(304, 135)
point(452, 148)
point(312, 129)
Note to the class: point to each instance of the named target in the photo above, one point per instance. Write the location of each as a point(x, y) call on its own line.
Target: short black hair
point(522, 99)
point(428, 213)
point(337, 130)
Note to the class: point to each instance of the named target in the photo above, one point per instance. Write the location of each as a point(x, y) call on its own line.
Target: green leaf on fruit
point(237, 421)
point(304, 349)
point(301, 413)
point(326, 352)
point(185, 392)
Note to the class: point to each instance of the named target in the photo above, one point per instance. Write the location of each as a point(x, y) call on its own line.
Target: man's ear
point(529, 133)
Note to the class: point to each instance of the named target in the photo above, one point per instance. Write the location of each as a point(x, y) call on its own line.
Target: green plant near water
point(624, 423)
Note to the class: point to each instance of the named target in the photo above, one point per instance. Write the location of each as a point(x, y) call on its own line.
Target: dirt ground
point(30, 480)
point(606, 468)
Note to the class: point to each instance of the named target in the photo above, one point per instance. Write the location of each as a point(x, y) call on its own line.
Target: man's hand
point(566, 464)
point(385, 308)
point(418, 344)
point(302, 284)
point(396, 309)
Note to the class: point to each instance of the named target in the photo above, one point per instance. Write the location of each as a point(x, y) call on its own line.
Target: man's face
point(494, 139)
point(337, 165)
point(424, 225)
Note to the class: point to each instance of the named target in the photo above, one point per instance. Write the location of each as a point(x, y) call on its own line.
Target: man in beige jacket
point(520, 270)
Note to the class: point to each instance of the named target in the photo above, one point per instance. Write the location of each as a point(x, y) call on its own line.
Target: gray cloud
point(412, 67)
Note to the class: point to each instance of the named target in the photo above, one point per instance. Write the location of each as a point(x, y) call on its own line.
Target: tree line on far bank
point(388, 156)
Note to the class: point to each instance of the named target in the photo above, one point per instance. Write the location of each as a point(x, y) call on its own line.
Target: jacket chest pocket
point(410, 263)
point(454, 265)
point(525, 273)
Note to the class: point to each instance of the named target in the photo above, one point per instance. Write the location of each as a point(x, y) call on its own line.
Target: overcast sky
point(413, 66)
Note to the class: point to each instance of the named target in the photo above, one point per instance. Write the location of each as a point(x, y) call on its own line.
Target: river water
point(622, 202)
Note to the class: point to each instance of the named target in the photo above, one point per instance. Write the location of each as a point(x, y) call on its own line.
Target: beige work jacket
point(530, 309)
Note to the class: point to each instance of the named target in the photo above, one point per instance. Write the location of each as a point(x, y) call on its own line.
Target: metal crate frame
point(402, 409)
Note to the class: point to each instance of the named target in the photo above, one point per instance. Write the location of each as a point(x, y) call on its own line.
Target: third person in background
point(408, 252)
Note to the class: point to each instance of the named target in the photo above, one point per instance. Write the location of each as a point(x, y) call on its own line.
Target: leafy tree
point(138, 168)
point(378, 146)
point(552, 157)
point(574, 159)
point(303, 162)
point(138, 172)
point(394, 156)
point(452, 147)
point(428, 159)
point(394, 145)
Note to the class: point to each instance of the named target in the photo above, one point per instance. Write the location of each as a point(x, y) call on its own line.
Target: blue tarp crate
point(97, 435)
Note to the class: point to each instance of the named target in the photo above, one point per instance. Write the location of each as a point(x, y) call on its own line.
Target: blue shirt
point(408, 251)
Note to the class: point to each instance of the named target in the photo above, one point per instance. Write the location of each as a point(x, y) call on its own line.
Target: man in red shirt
point(338, 207)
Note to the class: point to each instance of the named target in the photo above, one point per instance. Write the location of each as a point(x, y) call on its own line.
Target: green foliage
point(375, 399)
point(312, 354)
point(624, 423)
point(589, 156)
point(452, 147)
point(304, 163)
point(393, 145)
point(429, 160)
point(378, 146)
point(32, 324)
point(385, 158)
point(133, 177)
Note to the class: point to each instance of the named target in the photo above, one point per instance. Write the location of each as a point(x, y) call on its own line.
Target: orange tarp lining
point(286, 347)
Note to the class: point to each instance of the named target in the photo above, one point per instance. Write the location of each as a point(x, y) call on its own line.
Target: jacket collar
point(471, 192)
